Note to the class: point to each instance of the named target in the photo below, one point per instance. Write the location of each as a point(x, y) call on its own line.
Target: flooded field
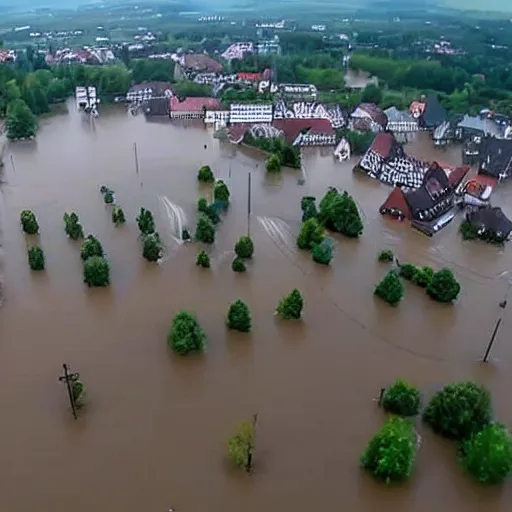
point(153, 434)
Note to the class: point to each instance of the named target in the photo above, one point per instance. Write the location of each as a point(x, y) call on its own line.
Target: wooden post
point(136, 157)
point(69, 378)
point(491, 341)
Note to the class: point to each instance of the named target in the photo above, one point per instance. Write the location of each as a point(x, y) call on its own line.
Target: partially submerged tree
point(339, 212)
point(402, 399)
point(205, 174)
point(96, 271)
point(210, 210)
point(308, 207)
point(221, 192)
point(152, 247)
point(185, 234)
point(21, 123)
point(205, 230)
point(108, 196)
point(78, 390)
point(118, 217)
point(91, 246)
point(423, 276)
point(186, 334)
point(36, 258)
point(241, 445)
point(29, 222)
point(238, 265)
point(72, 226)
point(203, 260)
point(386, 256)
point(244, 248)
point(146, 222)
point(239, 316)
point(444, 287)
point(408, 271)
point(273, 164)
point(390, 288)
point(323, 252)
point(290, 307)
point(311, 233)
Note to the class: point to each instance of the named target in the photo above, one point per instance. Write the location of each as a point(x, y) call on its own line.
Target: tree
point(323, 252)
point(205, 230)
point(29, 222)
point(209, 210)
point(390, 454)
point(20, 123)
point(221, 192)
point(290, 307)
point(402, 399)
point(386, 256)
point(308, 207)
point(390, 289)
point(273, 164)
point(238, 265)
point(205, 174)
point(72, 226)
point(203, 260)
point(36, 258)
point(487, 455)
point(244, 248)
point(459, 410)
point(96, 271)
point(146, 222)
point(91, 246)
point(241, 445)
point(239, 317)
point(339, 212)
point(408, 271)
point(186, 334)
point(118, 217)
point(152, 247)
point(372, 94)
point(311, 233)
point(444, 287)
point(108, 196)
point(423, 276)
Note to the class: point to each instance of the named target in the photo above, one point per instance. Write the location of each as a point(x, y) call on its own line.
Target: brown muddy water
point(153, 433)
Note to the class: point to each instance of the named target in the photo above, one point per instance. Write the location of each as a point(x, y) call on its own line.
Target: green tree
point(96, 271)
point(390, 288)
point(239, 316)
point(221, 192)
point(308, 207)
point(36, 258)
point(273, 164)
point(118, 217)
point(386, 256)
point(402, 399)
point(339, 212)
point(408, 271)
point(209, 210)
point(241, 445)
point(205, 174)
point(444, 287)
point(323, 252)
point(29, 222)
point(244, 248)
point(205, 230)
point(186, 334)
point(372, 94)
point(78, 390)
point(146, 222)
point(238, 265)
point(72, 226)
point(203, 260)
point(311, 233)
point(487, 455)
point(290, 307)
point(152, 247)
point(108, 196)
point(423, 277)
point(391, 453)
point(21, 123)
point(91, 246)
point(459, 410)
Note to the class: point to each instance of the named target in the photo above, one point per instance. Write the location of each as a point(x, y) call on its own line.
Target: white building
point(217, 116)
point(237, 50)
point(250, 113)
point(271, 46)
point(318, 28)
point(309, 90)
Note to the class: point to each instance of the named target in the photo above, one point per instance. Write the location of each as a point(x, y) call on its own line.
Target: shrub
point(152, 247)
point(221, 192)
point(311, 233)
point(91, 246)
point(202, 205)
point(205, 231)
point(96, 271)
point(186, 334)
point(487, 455)
point(468, 230)
point(273, 164)
point(146, 222)
point(423, 276)
point(390, 454)
point(339, 212)
point(244, 248)
point(308, 207)
point(118, 216)
point(185, 234)
point(29, 222)
point(240, 446)
point(386, 256)
point(205, 174)
point(72, 226)
point(459, 410)
point(108, 196)
point(408, 271)
point(290, 307)
point(203, 260)
point(36, 259)
point(239, 317)
point(78, 390)
point(390, 289)
point(402, 399)
point(322, 253)
point(444, 287)
point(238, 265)
point(209, 210)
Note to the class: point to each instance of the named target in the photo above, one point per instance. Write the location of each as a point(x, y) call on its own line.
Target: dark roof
point(457, 175)
point(496, 157)
point(481, 124)
point(490, 218)
point(156, 107)
point(434, 113)
point(374, 112)
point(158, 88)
point(237, 132)
point(383, 143)
point(201, 62)
point(292, 127)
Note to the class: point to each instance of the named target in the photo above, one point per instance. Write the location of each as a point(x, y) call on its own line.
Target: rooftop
point(193, 104)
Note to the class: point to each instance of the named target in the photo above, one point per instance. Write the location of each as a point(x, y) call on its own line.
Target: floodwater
point(153, 433)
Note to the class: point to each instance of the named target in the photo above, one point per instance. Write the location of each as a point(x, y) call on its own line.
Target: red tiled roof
point(457, 175)
point(200, 62)
point(382, 144)
point(193, 104)
point(292, 127)
point(249, 76)
point(396, 201)
point(236, 132)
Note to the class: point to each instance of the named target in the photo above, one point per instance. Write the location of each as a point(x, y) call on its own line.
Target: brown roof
point(193, 104)
point(457, 175)
point(292, 127)
point(237, 132)
point(376, 114)
point(201, 62)
point(396, 201)
point(383, 143)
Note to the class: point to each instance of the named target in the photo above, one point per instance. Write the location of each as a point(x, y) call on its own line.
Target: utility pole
point(249, 204)
point(250, 446)
point(69, 378)
point(136, 157)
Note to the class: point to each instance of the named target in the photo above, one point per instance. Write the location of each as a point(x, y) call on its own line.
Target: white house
point(251, 113)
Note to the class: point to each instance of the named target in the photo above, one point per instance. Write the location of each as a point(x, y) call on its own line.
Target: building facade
point(250, 113)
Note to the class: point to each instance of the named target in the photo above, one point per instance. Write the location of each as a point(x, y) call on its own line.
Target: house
point(491, 223)
point(429, 207)
point(480, 126)
point(400, 122)
point(311, 110)
point(368, 117)
point(496, 158)
point(147, 90)
point(192, 63)
point(307, 132)
point(217, 116)
point(237, 132)
point(417, 108)
point(433, 115)
point(191, 108)
point(248, 77)
point(7, 56)
point(251, 113)
point(238, 50)
point(477, 190)
point(156, 106)
point(302, 91)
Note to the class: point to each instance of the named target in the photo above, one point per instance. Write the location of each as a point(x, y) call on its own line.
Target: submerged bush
point(209, 210)
point(205, 230)
point(339, 212)
point(459, 410)
point(96, 271)
point(290, 307)
point(72, 226)
point(185, 235)
point(91, 246)
point(423, 276)
point(145, 222)
point(390, 454)
point(221, 192)
point(311, 233)
point(273, 163)
point(322, 253)
point(444, 287)
point(186, 334)
point(468, 231)
point(29, 222)
point(239, 316)
point(203, 260)
point(408, 271)
point(241, 445)
point(308, 207)
point(78, 390)
point(402, 399)
point(386, 256)
point(108, 196)
point(205, 174)
point(36, 258)
point(244, 248)
point(238, 265)
point(152, 247)
point(118, 216)
point(390, 289)
point(487, 455)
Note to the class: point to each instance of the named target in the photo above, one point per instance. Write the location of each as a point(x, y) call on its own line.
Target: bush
point(29, 222)
point(242, 444)
point(203, 260)
point(238, 265)
point(185, 234)
point(91, 246)
point(444, 287)
point(239, 317)
point(36, 259)
point(209, 210)
point(459, 410)
point(221, 192)
point(311, 233)
point(390, 454)
point(468, 231)
point(118, 216)
point(402, 399)
point(202, 205)
point(244, 248)
point(205, 231)
point(96, 271)
point(322, 253)
point(152, 247)
point(487, 455)
point(273, 164)
point(423, 276)
point(108, 196)
point(339, 212)
point(290, 307)
point(186, 334)
point(408, 271)
point(146, 222)
point(390, 289)
point(308, 207)
point(73, 227)
point(386, 256)
point(78, 390)
point(205, 174)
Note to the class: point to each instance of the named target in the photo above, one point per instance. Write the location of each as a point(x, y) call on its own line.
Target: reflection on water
point(154, 430)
